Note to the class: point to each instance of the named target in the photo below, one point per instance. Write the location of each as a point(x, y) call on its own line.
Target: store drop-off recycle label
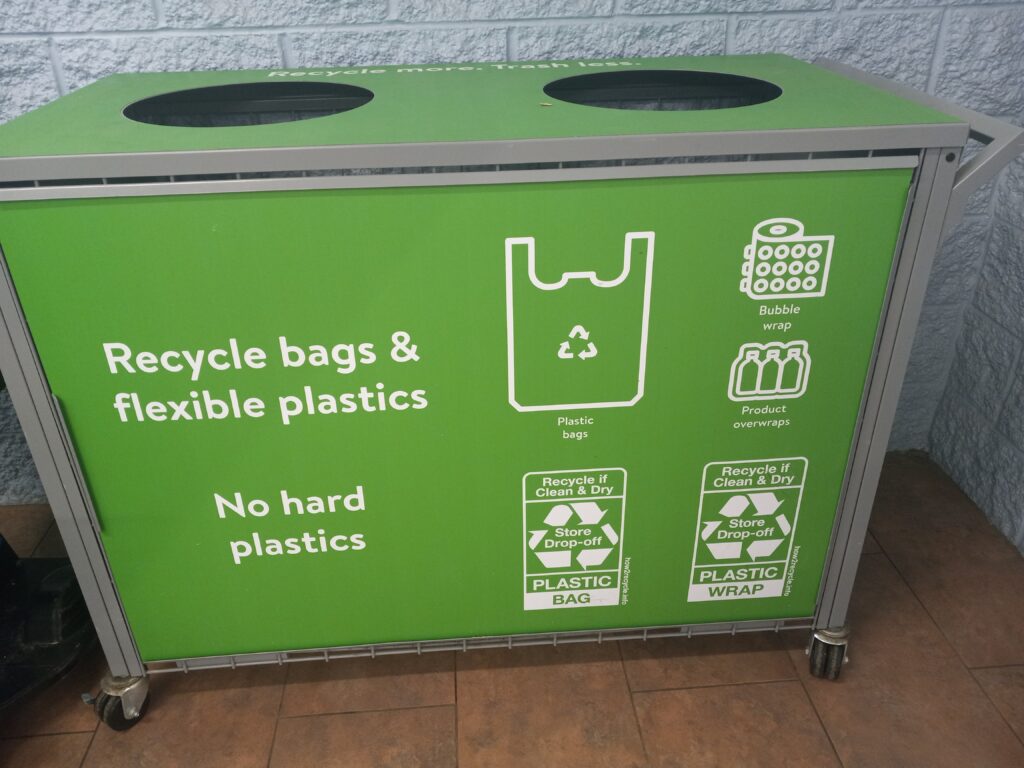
point(745, 529)
point(572, 538)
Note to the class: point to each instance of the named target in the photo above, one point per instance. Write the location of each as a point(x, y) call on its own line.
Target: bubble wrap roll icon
point(781, 262)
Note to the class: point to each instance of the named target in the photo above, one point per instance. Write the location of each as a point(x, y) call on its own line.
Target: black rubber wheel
point(109, 710)
point(826, 659)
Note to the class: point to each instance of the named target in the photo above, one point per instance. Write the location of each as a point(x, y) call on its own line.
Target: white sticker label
point(572, 538)
point(745, 528)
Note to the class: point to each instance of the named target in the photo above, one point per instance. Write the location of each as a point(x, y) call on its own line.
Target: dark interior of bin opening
point(663, 90)
point(248, 104)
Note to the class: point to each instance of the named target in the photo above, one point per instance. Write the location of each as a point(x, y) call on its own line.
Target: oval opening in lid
point(663, 90)
point(219, 106)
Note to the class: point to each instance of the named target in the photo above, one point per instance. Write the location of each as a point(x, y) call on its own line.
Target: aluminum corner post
point(921, 239)
point(944, 184)
point(57, 464)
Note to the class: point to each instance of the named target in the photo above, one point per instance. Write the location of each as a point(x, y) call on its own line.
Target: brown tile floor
point(936, 678)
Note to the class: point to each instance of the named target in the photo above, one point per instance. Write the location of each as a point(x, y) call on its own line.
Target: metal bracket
point(132, 691)
point(835, 636)
point(1003, 141)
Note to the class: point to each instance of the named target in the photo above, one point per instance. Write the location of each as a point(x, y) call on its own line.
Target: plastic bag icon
point(581, 341)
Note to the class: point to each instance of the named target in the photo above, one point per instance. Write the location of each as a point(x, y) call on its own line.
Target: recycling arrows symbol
point(763, 505)
point(587, 513)
point(578, 332)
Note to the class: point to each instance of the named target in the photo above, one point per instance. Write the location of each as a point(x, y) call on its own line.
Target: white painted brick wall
point(894, 44)
point(977, 434)
point(962, 400)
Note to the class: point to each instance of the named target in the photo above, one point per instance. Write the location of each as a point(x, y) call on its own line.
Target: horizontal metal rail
point(654, 167)
point(472, 643)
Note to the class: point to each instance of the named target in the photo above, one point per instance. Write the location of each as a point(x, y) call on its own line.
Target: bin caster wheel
point(827, 652)
point(110, 710)
point(122, 701)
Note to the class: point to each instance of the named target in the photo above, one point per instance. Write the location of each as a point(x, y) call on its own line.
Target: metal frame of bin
point(940, 187)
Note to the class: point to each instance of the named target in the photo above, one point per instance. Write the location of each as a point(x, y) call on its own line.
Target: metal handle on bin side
point(1003, 141)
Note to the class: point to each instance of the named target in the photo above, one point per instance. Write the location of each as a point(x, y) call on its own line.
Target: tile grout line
point(277, 715)
point(347, 712)
point(31, 736)
point(956, 653)
point(15, 737)
point(807, 693)
point(42, 539)
point(818, 717)
point(996, 666)
point(705, 686)
point(995, 706)
point(924, 608)
point(810, 699)
point(632, 706)
point(789, 656)
point(88, 749)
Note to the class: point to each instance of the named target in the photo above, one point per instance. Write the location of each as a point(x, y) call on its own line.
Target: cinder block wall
point(963, 400)
point(977, 433)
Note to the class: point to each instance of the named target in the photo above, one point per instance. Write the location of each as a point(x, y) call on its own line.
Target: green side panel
point(634, 431)
point(430, 103)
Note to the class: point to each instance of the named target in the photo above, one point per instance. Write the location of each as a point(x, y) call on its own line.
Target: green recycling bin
point(346, 361)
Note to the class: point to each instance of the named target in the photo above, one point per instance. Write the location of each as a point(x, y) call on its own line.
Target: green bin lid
point(469, 102)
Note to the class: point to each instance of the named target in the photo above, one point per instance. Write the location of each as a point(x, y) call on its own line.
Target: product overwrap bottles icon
point(581, 340)
point(773, 371)
point(781, 262)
